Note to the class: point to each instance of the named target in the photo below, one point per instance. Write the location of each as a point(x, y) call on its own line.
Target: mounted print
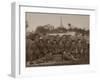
point(52, 38)
point(57, 39)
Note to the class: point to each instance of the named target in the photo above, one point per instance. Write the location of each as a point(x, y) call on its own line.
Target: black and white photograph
point(54, 39)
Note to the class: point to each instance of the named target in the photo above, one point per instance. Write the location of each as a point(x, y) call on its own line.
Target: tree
point(42, 29)
point(26, 24)
point(69, 25)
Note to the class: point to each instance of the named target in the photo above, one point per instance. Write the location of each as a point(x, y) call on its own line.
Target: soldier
point(29, 50)
point(68, 56)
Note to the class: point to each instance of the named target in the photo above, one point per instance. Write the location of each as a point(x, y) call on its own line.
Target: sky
point(37, 19)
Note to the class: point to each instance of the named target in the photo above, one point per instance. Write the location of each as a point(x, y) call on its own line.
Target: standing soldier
point(29, 51)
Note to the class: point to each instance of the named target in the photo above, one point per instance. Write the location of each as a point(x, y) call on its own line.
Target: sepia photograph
point(54, 39)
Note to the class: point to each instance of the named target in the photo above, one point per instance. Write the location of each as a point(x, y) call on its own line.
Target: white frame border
point(16, 67)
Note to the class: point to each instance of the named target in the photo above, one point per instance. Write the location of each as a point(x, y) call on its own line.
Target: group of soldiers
point(44, 48)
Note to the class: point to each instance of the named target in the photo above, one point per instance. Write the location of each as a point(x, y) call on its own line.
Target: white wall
point(5, 40)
